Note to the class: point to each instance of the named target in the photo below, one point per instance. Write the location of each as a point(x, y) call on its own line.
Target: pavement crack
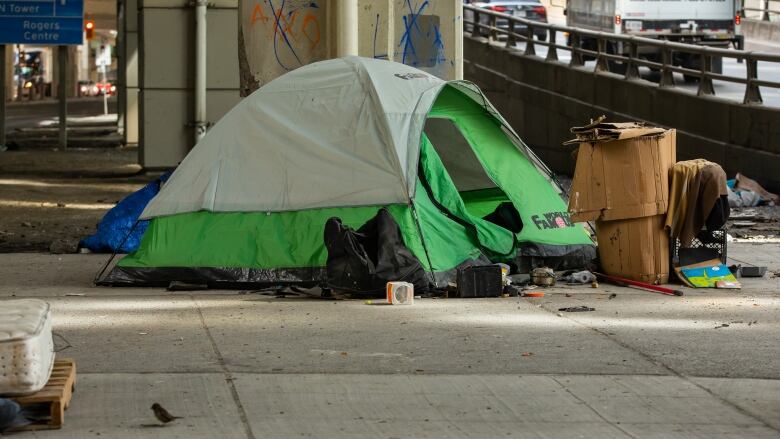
point(666, 367)
point(226, 372)
point(596, 412)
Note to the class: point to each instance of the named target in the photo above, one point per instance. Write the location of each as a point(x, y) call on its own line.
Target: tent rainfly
point(430, 173)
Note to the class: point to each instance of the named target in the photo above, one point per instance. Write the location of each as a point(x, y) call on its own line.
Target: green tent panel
point(250, 203)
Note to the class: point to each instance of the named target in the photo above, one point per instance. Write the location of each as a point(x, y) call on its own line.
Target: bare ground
point(49, 195)
point(755, 222)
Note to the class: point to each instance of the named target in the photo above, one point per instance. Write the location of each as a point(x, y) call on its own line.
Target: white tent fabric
point(341, 132)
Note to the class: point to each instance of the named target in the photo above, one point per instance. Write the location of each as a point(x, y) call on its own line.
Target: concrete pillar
point(73, 71)
point(347, 28)
point(270, 47)
point(128, 52)
point(428, 36)
point(166, 66)
point(377, 39)
point(70, 75)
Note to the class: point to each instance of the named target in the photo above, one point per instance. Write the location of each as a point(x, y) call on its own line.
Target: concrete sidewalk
point(248, 365)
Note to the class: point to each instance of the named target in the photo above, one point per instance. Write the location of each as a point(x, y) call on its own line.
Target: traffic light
point(89, 28)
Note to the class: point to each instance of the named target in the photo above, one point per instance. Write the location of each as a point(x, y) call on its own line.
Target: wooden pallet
point(57, 393)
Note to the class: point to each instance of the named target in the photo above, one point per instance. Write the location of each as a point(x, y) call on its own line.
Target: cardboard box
point(636, 248)
point(622, 171)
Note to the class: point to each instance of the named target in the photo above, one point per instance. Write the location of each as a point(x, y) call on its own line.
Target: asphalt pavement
point(31, 114)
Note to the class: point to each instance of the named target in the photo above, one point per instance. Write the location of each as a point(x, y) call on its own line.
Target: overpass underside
point(543, 99)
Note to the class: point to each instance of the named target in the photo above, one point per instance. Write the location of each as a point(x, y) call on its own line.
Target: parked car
point(88, 88)
point(106, 88)
point(528, 9)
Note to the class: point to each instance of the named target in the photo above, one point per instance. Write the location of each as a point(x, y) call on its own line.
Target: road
point(727, 90)
point(36, 113)
point(723, 89)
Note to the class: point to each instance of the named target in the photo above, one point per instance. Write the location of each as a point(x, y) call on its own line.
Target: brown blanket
point(696, 185)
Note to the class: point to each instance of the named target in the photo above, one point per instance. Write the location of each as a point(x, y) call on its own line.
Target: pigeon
point(162, 415)
point(11, 415)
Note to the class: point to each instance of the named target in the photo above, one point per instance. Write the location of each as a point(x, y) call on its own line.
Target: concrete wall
point(166, 75)
point(542, 100)
point(761, 30)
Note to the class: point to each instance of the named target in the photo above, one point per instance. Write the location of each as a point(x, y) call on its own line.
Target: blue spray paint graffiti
point(279, 29)
point(421, 41)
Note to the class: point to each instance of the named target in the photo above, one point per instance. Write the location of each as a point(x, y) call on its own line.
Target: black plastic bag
point(363, 261)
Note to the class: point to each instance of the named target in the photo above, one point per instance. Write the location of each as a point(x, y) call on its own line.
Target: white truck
point(704, 22)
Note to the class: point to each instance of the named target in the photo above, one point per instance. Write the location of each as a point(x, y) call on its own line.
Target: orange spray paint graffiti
point(290, 25)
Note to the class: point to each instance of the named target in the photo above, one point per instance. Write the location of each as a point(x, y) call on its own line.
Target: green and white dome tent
point(349, 138)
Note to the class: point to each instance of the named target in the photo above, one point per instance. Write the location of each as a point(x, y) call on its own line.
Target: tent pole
point(422, 240)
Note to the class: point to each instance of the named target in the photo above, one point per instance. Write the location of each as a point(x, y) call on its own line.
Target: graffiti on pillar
point(420, 44)
point(378, 54)
point(418, 33)
point(278, 36)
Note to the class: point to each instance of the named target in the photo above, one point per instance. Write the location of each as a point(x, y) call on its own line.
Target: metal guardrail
point(631, 61)
point(765, 10)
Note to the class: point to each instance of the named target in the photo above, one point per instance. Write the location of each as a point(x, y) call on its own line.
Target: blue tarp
point(118, 222)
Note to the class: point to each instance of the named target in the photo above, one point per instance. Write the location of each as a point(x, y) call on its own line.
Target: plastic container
point(400, 293)
point(504, 273)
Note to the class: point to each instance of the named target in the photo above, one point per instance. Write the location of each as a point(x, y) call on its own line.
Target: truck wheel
point(717, 65)
point(691, 62)
point(615, 66)
point(695, 64)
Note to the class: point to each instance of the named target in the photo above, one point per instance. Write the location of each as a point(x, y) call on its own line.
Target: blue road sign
point(44, 22)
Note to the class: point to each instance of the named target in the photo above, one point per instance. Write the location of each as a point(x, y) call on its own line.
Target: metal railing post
point(765, 16)
point(601, 62)
point(705, 81)
point(493, 32)
point(529, 41)
point(667, 75)
point(552, 50)
point(476, 31)
point(752, 92)
point(510, 38)
point(632, 69)
point(576, 56)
